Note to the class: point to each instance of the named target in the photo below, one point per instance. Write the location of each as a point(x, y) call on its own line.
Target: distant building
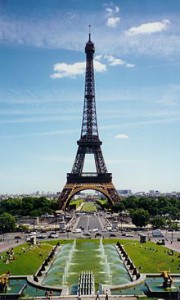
point(124, 192)
point(154, 193)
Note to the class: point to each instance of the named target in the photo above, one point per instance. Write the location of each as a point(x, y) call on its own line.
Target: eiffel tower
point(89, 143)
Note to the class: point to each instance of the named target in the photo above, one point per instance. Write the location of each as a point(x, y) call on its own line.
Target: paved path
point(173, 246)
point(5, 245)
point(102, 297)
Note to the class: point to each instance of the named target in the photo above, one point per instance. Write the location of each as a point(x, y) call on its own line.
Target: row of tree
point(160, 211)
point(28, 206)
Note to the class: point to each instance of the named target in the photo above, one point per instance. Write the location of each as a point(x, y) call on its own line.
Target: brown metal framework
point(89, 143)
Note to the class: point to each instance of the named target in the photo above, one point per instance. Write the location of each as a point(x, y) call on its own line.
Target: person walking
point(50, 294)
point(46, 294)
point(97, 296)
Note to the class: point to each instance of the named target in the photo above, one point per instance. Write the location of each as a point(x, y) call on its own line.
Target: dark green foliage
point(140, 217)
point(158, 222)
point(167, 207)
point(7, 222)
point(28, 206)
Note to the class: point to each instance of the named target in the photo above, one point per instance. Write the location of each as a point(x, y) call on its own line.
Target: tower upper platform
point(89, 45)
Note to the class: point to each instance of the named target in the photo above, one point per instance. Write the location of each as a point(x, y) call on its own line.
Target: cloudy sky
point(137, 74)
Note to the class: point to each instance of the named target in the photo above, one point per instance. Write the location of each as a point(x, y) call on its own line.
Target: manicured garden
point(152, 258)
point(147, 257)
point(25, 259)
point(89, 207)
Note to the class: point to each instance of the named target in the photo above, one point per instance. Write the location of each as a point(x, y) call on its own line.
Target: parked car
point(97, 234)
point(77, 230)
point(17, 237)
point(86, 234)
point(32, 233)
point(112, 235)
point(53, 235)
point(42, 236)
point(95, 230)
point(129, 234)
point(157, 233)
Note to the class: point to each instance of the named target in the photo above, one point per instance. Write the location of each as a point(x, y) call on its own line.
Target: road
point(89, 222)
point(94, 225)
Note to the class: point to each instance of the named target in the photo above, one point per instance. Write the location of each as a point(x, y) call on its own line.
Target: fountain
point(103, 261)
point(59, 270)
point(68, 261)
point(82, 267)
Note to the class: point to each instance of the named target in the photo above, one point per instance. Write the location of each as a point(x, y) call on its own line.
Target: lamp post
point(3, 231)
point(172, 236)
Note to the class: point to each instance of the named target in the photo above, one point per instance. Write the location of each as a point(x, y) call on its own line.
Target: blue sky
point(137, 74)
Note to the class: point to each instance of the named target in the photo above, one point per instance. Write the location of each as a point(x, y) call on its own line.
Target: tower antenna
point(89, 32)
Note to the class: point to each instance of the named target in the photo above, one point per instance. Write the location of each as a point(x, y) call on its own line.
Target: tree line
point(27, 206)
point(159, 211)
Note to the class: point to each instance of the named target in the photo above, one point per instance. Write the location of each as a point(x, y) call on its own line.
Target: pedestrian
point(46, 294)
point(97, 295)
point(50, 294)
point(78, 297)
point(106, 297)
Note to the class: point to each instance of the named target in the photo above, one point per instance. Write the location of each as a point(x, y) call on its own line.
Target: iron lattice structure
point(89, 143)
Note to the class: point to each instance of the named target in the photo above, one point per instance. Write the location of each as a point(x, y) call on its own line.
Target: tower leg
point(69, 190)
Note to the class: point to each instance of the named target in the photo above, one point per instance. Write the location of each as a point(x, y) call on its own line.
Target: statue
point(4, 280)
point(167, 279)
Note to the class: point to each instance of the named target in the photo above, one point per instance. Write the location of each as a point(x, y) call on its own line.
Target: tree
point(13, 206)
point(7, 222)
point(140, 217)
point(158, 222)
point(118, 207)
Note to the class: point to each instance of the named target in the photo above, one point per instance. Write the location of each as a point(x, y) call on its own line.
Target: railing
point(89, 174)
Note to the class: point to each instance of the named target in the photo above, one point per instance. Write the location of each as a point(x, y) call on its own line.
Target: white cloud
point(117, 9)
point(122, 136)
point(109, 11)
point(130, 65)
point(113, 61)
point(112, 22)
point(99, 67)
point(62, 70)
point(68, 70)
point(113, 19)
point(61, 32)
point(149, 28)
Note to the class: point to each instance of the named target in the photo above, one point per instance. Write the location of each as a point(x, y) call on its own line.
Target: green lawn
point(89, 207)
point(147, 257)
point(151, 257)
point(27, 259)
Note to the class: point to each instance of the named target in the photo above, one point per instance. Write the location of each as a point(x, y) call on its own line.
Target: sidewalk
point(102, 297)
point(173, 246)
point(6, 245)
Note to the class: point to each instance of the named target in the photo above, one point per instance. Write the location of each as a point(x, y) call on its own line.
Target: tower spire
point(89, 33)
